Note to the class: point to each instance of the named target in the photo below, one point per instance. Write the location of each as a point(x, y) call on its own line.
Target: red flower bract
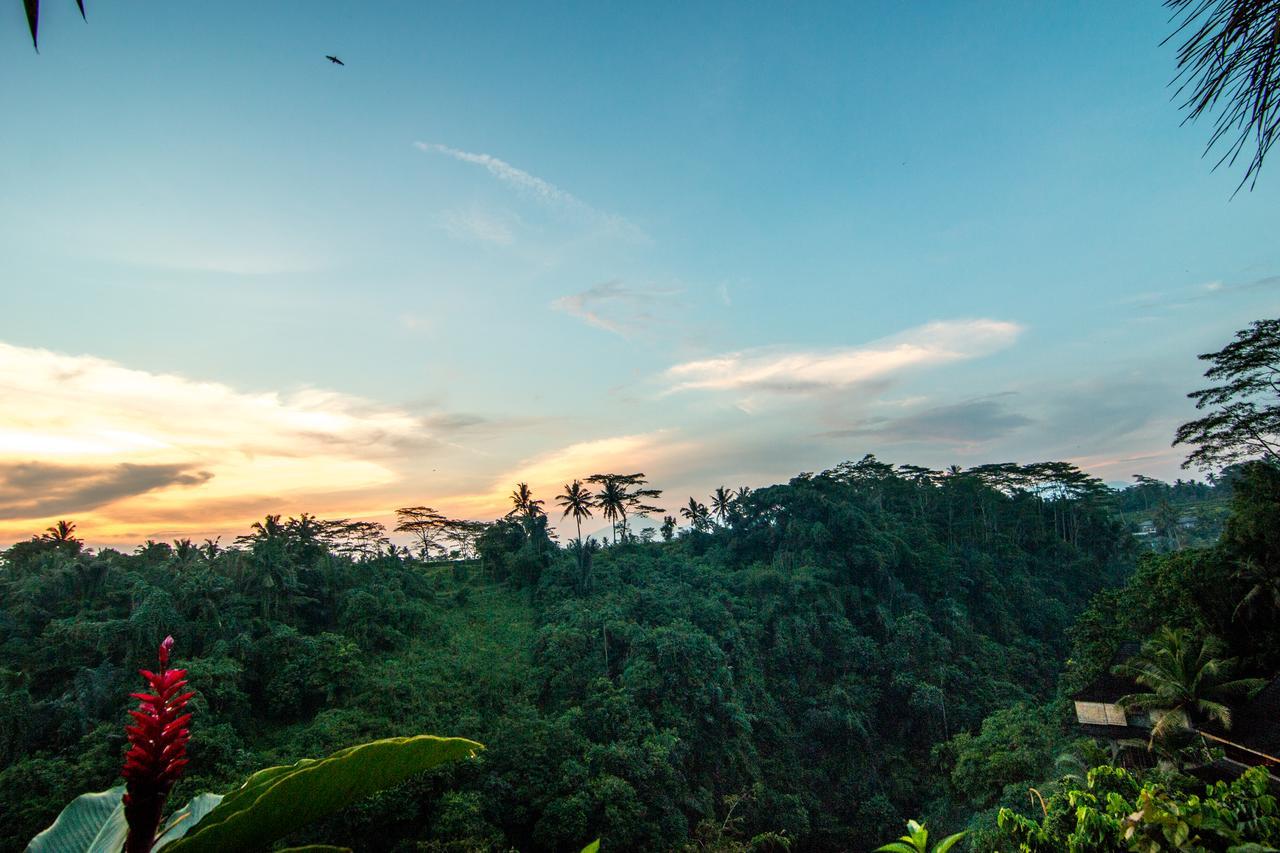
point(157, 750)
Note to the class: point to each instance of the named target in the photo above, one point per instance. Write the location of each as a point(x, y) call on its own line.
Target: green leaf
point(94, 823)
point(947, 843)
point(181, 821)
point(281, 800)
point(593, 847)
point(91, 823)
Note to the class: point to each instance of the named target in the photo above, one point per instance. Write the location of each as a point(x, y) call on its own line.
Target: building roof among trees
point(1109, 687)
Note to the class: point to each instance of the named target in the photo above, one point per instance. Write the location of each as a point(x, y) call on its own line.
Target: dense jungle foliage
point(791, 669)
point(1024, 778)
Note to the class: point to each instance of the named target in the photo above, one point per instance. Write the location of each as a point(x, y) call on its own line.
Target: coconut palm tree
point(696, 513)
point(63, 531)
point(721, 503)
point(1187, 682)
point(524, 503)
point(624, 494)
point(576, 501)
point(612, 501)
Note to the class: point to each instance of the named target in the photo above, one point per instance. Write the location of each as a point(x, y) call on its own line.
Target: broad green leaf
point(947, 843)
point(897, 847)
point(91, 823)
point(593, 847)
point(259, 782)
point(181, 821)
point(281, 800)
point(94, 823)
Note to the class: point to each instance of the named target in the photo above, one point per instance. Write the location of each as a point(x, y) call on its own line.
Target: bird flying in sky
point(335, 60)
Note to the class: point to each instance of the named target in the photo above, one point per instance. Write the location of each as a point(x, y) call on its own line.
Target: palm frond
point(1229, 68)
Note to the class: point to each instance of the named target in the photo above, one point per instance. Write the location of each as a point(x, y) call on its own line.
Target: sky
point(720, 243)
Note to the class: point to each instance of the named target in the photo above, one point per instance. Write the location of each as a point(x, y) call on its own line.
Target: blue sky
point(721, 243)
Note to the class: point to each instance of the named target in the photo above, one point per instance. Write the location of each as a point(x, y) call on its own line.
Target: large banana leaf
point(181, 821)
point(280, 800)
point(94, 823)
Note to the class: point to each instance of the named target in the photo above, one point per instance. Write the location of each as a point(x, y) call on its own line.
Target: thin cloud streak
point(531, 184)
point(810, 370)
point(505, 172)
point(616, 308)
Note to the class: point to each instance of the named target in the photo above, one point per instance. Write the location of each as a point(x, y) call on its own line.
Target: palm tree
point(269, 528)
point(524, 503)
point(668, 527)
point(612, 501)
point(721, 503)
point(1187, 681)
point(63, 531)
point(917, 841)
point(696, 513)
point(621, 494)
point(576, 501)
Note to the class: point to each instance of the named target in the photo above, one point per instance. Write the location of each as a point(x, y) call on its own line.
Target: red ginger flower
point(157, 750)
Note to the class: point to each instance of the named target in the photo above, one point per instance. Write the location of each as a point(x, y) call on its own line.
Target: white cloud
point(616, 308)
point(808, 370)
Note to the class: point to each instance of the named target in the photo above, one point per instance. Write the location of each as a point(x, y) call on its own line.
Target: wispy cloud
point(536, 187)
point(967, 423)
point(505, 172)
point(778, 370)
point(1182, 297)
point(616, 308)
point(485, 226)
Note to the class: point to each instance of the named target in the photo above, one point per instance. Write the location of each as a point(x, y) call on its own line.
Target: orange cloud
point(88, 437)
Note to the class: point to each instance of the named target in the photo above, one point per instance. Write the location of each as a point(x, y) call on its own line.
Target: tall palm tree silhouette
point(524, 503)
point(63, 531)
point(721, 503)
point(612, 501)
point(576, 501)
point(696, 513)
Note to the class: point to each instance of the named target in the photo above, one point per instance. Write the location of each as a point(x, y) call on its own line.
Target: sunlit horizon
point(271, 284)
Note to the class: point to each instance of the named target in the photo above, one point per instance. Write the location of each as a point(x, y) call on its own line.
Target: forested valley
point(798, 661)
point(800, 666)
